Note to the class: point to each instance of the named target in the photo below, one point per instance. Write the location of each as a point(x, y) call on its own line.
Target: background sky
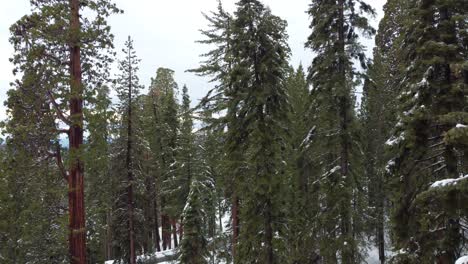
point(165, 32)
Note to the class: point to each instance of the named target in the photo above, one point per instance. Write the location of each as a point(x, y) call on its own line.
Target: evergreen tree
point(164, 144)
point(429, 144)
point(335, 41)
point(99, 116)
point(128, 88)
point(256, 115)
point(194, 243)
point(301, 200)
point(57, 49)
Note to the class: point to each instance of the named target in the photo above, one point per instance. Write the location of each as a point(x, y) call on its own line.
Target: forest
point(346, 159)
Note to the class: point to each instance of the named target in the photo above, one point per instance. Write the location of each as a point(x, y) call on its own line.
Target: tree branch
point(58, 157)
point(61, 115)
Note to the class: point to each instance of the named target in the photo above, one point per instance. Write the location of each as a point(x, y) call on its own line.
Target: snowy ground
point(156, 256)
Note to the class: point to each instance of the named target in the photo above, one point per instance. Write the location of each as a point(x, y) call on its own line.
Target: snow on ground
point(447, 182)
point(157, 255)
point(462, 260)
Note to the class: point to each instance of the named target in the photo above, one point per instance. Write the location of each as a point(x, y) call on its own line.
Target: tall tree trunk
point(129, 163)
point(77, 235)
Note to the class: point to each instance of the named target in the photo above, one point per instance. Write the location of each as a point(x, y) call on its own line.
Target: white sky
point(164, 34)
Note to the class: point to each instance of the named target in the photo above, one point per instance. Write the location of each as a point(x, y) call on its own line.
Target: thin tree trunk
point(174, 232)
point(157, 238)
point(166, 232)
point(77, 235)
point(235, 223)
point(129, 163)
point(108, 240)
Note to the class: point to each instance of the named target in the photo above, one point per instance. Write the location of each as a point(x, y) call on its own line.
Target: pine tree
point(428, 143)
point(128, 88)
point(334, 39)
point(378, 116)
point(257, 107)
point(60, 49)
point(301, 204)
point(194, 243)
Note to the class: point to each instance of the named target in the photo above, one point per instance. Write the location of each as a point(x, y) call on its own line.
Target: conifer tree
point(100, 183)
point(61, 48)
point(257, 107)
point(335, 41)
point(128, 88)
point(378, 115)
point(301, 202)
point(194, 243)
point(165, 115)
point(428, 143)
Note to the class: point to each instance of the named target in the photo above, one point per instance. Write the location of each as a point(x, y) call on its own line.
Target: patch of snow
point(462, 260)
point(448, 182)
point(461, 126)
point(395, 140)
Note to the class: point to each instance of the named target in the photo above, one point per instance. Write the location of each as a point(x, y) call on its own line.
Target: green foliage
point(427, 144)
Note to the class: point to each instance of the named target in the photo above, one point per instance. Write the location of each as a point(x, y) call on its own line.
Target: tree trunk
point(157, 238)
point(77, 235)
point(235, 223)
point(166, 232)
point(174, 232)
point(108, 240)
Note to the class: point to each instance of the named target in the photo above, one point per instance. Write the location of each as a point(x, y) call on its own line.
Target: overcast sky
point(164, 34)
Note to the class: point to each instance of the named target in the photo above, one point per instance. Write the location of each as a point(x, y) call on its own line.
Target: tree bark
point(77, 232)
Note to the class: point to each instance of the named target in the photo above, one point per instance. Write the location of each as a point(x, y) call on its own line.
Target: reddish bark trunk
point(77, 235)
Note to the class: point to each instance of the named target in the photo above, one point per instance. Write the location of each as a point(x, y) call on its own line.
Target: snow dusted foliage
point(430, 143)
point(448, 182)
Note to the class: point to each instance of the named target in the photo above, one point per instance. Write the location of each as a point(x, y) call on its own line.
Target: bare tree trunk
point(174, 232)
point(77, 235)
